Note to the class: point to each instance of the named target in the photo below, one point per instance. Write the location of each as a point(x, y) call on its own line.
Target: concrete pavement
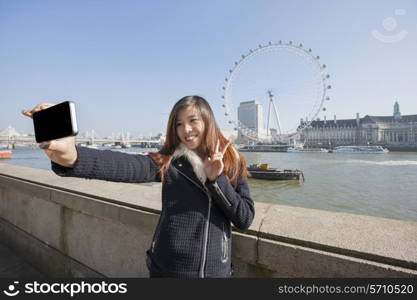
point(12, 266)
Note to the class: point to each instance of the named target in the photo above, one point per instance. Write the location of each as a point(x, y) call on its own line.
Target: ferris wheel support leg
point(277, 118)
point(267, 124)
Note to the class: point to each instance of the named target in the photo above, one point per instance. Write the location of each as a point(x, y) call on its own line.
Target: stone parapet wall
point(72, 227)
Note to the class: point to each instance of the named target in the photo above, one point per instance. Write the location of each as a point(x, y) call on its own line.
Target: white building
point(250, 114)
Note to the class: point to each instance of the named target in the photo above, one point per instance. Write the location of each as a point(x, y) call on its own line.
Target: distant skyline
point(125, 63)
point(127, 133)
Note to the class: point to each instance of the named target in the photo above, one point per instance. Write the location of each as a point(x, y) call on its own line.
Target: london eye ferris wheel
point(287, 78)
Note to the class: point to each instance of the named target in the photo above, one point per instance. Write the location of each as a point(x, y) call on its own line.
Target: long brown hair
point(234, 162)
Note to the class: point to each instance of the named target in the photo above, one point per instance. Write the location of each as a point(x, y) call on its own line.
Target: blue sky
point(125, 63)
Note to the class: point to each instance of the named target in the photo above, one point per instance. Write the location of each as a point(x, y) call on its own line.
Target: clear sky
point(125, 63)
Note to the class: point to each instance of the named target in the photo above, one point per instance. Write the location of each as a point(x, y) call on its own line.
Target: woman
point(204, 189)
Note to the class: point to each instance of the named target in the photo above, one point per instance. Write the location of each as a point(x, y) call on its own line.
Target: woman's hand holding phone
point(61, 151)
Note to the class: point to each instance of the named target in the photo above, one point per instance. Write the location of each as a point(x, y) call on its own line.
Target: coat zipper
point(157, 231)
point(206, 229)
point(228, 203)
point(225, 246)
point(203, 262)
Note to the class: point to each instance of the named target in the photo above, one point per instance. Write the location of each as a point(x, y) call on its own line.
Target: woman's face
point(190, 127)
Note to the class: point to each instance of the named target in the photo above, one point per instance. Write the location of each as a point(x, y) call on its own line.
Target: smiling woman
point(190, 127)
point(204, 188)
point(192, 123)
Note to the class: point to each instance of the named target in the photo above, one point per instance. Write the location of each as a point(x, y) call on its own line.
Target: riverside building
point(394, 132)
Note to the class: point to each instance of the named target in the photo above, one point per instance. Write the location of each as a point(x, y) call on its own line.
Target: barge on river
point(263, 171)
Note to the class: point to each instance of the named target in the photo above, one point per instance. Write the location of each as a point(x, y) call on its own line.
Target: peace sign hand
point(213, 166)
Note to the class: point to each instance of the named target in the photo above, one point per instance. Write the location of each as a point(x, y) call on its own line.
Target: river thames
point(382, 185)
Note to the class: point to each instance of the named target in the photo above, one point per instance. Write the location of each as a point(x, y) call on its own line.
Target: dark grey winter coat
point(193, 235)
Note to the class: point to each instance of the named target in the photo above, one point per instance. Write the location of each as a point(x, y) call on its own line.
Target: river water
point(382, 185)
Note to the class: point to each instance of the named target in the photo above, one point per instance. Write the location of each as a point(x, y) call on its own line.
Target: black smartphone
point(55, 122)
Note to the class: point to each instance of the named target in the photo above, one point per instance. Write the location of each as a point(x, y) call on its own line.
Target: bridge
point(31, 142)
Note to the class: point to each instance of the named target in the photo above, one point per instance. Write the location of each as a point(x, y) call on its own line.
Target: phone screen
point(55, 122)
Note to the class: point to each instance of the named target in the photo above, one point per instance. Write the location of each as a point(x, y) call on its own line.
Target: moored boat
point(302, 149)
point(360, 149)
point(5, 154)
point(263, 148)
point(263, 171)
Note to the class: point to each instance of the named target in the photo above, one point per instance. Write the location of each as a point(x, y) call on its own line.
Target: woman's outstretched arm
point(69, 160)
point(110, 165)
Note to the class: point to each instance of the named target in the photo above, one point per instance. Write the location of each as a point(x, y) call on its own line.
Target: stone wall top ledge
point(118, 192)
point(381, 239)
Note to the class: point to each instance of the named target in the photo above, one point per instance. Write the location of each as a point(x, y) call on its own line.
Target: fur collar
point(194, 159)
